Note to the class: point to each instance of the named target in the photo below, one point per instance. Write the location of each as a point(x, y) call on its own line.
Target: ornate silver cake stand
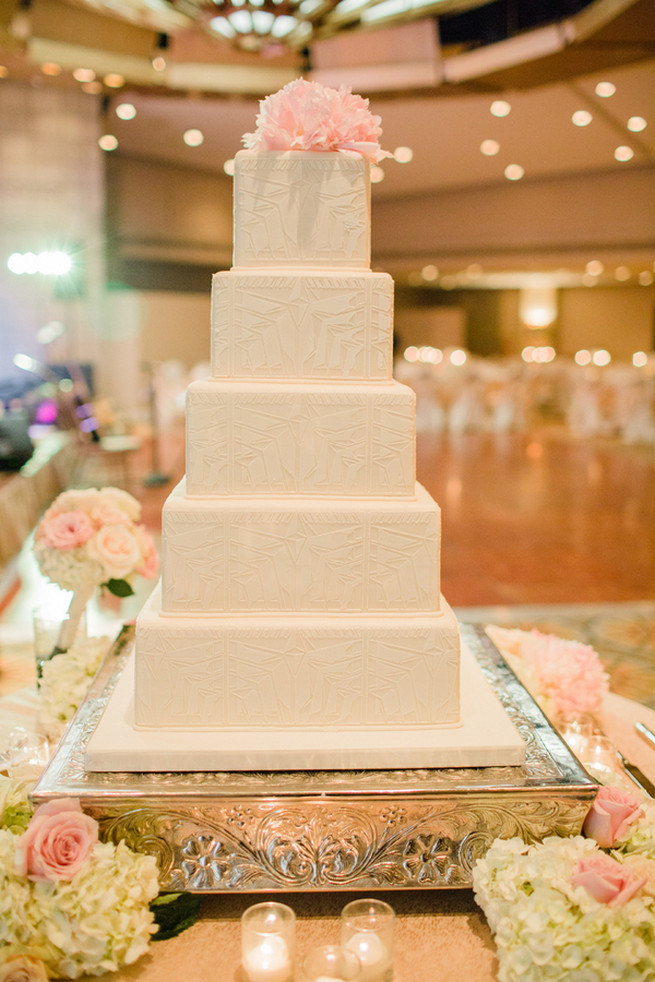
point(327, 830)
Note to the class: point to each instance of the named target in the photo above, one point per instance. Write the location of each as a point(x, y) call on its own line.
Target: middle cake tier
point(300, 554)
point(256, 437)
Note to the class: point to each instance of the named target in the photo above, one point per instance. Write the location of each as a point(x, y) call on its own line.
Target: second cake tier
point(300, 554)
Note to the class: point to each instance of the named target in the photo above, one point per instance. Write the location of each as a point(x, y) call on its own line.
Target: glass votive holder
point(24, 754)
point(331, 963)
point(268, 937)
point(367, 930)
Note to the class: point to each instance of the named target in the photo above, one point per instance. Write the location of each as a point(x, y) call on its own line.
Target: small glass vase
point(52, 631)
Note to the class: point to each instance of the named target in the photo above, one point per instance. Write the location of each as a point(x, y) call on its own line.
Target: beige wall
point(617, 318)
point(175, 326)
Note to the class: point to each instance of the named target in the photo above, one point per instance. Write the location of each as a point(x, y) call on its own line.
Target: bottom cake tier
point(281, 671)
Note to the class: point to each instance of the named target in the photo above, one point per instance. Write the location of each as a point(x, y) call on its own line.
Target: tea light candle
point(367, 931)
point(267, 942)
point(331, 963)
point(372, 953)
point(268, 961)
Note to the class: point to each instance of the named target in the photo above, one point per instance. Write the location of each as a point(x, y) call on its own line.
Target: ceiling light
point(489, 147)
point(623, 153)
point(92, 88)
point(228, 167)
point(601, 357)
point(126, 111)
point(377, 174)
point(84, 75)
point(159, 63)
point(622, 273)
point(581, 117)
point(458, 357)
point(51, 68)
point(582, 357)
point(500, 108)
point(113, 80)
point(4, 71)
point(645, 277)
point(430, 272)
point(193, 138)
point(594, 267)
point(605, 89)
point(514, 172)
point(403, 155)
point(640, 359)
point(107, 142)
point(636, 124)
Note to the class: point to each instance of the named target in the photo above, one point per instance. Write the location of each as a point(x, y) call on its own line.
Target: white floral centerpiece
point(64, 683)
point(579, 908)
point(71, 905)
point(93, 538)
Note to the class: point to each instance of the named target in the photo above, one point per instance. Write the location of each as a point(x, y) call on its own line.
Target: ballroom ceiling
point(433, 80)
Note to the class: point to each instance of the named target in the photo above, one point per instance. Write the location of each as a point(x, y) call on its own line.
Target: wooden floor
point(527, 519)
point(542, 518)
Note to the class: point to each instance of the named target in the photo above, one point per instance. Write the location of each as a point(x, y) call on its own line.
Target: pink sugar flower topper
point(309, 116)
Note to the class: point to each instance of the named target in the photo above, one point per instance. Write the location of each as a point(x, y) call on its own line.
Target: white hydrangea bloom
point(64, 683)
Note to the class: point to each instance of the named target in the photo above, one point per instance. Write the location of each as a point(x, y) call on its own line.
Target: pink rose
point(108, 515)
point(610, 816)
point(66, 530)
point(116, 548)
point(150, 561)
point(23, 968)
point(57, 841)
point(608, 881)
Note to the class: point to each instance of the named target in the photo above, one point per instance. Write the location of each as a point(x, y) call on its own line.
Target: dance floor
point(539, 530)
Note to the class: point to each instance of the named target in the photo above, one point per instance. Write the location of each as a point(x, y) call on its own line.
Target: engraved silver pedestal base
point(327, 830)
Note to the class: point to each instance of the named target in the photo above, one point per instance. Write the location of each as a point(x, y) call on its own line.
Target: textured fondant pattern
point(266, 437)
point(299, 208)
point(302, 325)
point(301, 554)
point(297, 672)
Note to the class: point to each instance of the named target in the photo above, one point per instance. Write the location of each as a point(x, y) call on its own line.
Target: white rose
point(116, 548)
point(116, 498)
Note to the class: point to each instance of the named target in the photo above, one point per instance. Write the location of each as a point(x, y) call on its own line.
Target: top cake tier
point(301, 208)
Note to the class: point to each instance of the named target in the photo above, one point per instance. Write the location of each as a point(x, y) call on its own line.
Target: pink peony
point(608, 881)
point(309, 116)
point(23, 968)
point(567, 672)
point(57, 842)
point(116, 548)
point(610, 816)
point(65, 530)
point(150, 562)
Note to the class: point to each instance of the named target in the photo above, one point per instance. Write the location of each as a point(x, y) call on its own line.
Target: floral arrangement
point(69, 904)
point(309, 116)
point(92, 538)
point(580, 907)
point(64, 683)
point(565, 677)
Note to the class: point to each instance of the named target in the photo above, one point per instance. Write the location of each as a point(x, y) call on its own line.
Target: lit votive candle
point(331, 963)
point(267, 942)
point(367, 930)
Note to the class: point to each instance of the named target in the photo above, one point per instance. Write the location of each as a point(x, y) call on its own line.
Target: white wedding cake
point(299, 621)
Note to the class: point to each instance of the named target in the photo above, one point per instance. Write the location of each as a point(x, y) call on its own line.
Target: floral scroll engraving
point(328, 846)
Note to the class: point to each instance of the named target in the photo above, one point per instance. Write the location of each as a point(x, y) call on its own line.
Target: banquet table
point(441, 935)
